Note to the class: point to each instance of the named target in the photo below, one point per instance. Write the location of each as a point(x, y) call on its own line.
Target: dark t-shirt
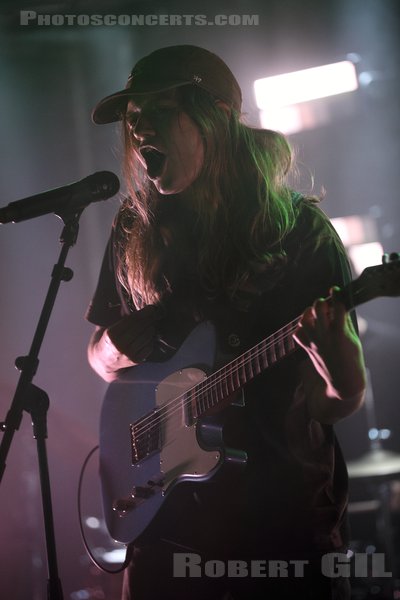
point(290, 499)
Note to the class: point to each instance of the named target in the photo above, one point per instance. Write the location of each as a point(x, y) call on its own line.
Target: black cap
point(169, 68)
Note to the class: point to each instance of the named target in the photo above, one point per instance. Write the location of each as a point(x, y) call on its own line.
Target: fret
point(200, 400)
point(271, 350)
point(289, 343)
point(214, 394)
point(188, 408)
point(225, 380)
point(249, 370)
point(256, 362)
point(220, 389)
point(230, 383)
point(243, 369)
point(228, 375)
point(205, 399)
point(280, 347)
point(236, 375)
point(263, 355)
point(240, 371)
point(211, 398)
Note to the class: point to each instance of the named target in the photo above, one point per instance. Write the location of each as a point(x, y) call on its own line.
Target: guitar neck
point(236, 374)
point(374, 282)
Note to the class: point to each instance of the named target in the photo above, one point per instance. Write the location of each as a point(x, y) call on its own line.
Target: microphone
point(73, 197)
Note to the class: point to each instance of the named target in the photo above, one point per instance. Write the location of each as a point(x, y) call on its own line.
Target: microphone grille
point(103, 185)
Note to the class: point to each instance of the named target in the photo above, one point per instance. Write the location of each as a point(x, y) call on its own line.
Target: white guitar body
point(177, 447)
point(155, 428)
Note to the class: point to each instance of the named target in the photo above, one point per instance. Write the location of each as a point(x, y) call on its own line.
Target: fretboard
point(233, 376)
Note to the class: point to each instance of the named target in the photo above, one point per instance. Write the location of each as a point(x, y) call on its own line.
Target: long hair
point(242, 206)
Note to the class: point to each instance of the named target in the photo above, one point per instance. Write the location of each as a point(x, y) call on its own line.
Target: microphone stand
point(35, 401)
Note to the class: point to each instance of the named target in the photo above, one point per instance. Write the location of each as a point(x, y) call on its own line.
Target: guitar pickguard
point(134, 489)
point(180, 451)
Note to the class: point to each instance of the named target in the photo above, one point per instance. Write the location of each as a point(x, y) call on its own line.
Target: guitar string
point(176, 402)
point(166, 410)
point(174, 405)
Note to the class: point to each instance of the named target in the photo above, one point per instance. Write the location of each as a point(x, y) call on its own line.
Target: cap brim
point(112, 108)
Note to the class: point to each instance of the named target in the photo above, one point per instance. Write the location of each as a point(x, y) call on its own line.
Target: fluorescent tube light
point(308, 84)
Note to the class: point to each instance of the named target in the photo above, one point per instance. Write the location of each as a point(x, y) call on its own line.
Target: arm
point(104, 357)
point(126, 343)
point(335, 379)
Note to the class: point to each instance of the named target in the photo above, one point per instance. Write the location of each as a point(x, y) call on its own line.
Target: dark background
point(51, 76)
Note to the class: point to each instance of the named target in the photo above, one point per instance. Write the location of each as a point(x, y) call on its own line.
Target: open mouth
point(154, 160)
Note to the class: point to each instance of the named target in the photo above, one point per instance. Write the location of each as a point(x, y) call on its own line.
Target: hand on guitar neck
point(327, 334)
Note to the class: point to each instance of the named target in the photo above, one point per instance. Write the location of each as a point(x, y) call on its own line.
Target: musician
point(212, 232)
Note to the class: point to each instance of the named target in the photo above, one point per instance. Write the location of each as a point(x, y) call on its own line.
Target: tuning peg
point(392, 257)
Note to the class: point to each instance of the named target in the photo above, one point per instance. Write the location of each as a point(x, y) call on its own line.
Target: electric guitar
point(155, 431)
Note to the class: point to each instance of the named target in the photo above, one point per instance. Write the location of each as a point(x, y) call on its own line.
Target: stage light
point(293, 102)
point(356, 229)
point(305, 85)
point(365, 255)
point(359, 234)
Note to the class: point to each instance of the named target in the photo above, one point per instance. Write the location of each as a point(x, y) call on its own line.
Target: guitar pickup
point(146, 436)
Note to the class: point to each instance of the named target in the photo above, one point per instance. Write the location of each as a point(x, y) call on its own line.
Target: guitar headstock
point(374, 282)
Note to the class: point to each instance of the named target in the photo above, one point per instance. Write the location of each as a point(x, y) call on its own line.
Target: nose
point(143, 128)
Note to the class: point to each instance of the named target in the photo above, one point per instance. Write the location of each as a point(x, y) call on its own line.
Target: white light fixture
point(305, 85)
point(359, 234)
point(365, 255)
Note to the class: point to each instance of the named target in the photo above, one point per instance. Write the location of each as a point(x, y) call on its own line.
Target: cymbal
point(375, 463)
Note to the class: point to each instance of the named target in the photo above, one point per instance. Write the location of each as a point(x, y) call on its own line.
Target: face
point(169, 143)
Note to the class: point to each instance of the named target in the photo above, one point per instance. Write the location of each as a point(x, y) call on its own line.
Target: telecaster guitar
point(154, 429)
